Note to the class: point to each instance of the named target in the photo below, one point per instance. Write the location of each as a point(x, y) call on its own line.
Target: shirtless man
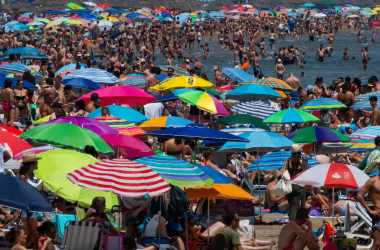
point(298, 234)
point(372, 188)
point(375, 114)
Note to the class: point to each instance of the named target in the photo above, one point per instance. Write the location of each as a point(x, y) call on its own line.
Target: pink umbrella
point(35, 150)
point(128, 146)
point(121, 95)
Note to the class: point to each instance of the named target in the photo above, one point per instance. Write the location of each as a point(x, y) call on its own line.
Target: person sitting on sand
point(272, 201)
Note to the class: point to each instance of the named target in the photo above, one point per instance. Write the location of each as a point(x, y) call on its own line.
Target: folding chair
point(81, 235)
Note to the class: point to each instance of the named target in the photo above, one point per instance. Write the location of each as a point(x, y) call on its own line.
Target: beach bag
point(283, 186)
point(151, 226)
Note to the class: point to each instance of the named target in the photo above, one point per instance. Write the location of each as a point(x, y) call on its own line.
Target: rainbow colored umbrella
point(202, 100)
point(179, 82)
point(291, 115)
point(274, 83)
point(123, 126)
point(323, 103)
point(165, 122)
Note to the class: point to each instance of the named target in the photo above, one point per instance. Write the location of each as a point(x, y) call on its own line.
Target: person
point(371, 160)
point(28, 165)
point(153, 110)
point(94, 103)
point(230, 232)
point(47, 235)
point(280, 69)
point(96, 213)
point(365, 58)
point(272, 201)
point(375, 114)
point(372, 189)
point(18, 237)
point(298, 234)
point(295, 165)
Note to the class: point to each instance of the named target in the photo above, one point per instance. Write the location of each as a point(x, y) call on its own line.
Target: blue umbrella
point(309, 5)
point(259, 140)
point(196, 133)
point(18, 194)
point(68, 68)
point(238, 75)
point(368, 133)
point(323, 103)
point(93, 74)
point(275, 160)
point(121, 112)
point(217, 177)
point(13, 68)
point(135, 79)
point(362, 101)
point(15, 26)
point(27, 84)
point(26, 53)
point(250, 92)
point(81, 83)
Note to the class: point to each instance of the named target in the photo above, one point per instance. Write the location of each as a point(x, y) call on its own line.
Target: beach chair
point(62, 221)
point(81, 235)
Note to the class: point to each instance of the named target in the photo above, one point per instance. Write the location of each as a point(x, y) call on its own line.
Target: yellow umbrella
point(178, 82)
point(113, 19)
point(43, 119)
point(219, 191)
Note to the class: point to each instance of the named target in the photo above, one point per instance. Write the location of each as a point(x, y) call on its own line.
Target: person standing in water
point(365, 58)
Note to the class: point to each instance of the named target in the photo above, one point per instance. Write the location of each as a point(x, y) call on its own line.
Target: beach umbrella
point(259, 140)
point(124, 127)
point(332, 175)
point(368, 133)
point(249, 92)
point(10, 129)
point(121, 95)
point(323, 103)
point(317, 134)
point(309, 5)
point(291, 115)
point(237, 75)
point(16, 193)
point(177, 172)
point(165, 122)
point(134, 79)
point(74, 6)
point(242, 119)
point(202, 100)
point(120, 176)
point(362, 101)
point(179, 82)
point(259, 109)
point(276, 160)
point(26, 53)
point(34, 151)
point(81, 83)
point(12, 143)
point(68, 68)
point(178, 71)
point(67, 135)
point(121, 112)
point(15, 26)
point(54, 165)
point(13, 68)
point(93, 74)
point(200, 133)
point(274, 83)
point(87, 123)
point(127, 146)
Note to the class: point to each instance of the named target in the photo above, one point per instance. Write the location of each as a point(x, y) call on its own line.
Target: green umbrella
point(54, 165)
point(67, 135)
point(291, 115)
point(242, 119)
point(317, 134)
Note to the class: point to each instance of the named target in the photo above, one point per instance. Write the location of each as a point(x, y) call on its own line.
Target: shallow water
point(330, 69)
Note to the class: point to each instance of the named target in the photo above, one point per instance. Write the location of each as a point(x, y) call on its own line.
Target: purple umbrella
point(87, 123)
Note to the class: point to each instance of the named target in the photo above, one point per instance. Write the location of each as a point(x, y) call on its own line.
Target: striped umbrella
point(134, 79)
point(177, 172)
point(93, 74)
point(121, 176)
point(249, 92)
point(68, 68)
point(323, 103)
point(259, 109)
point(26, 53)
point(123, 126)
point(362, 101)
point(13, 68)
point(291, 115)
point(276, 160)
point(274, 83)
point(368, 133)
point(35, 150)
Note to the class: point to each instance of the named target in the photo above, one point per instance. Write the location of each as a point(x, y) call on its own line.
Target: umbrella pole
point(208, 221)
point(186, 233)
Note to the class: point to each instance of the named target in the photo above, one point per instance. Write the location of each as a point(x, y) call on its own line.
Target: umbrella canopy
point(177, 172)
point(15, 26)
point(68, 68)
point(82, 83)
point(276, 160)
point(200, 133)
point(317, 134)
point(121, 176)
point(92, 74)
point(12, 143)
point(259, 141)
point(274, 83)
point(128, 146)
point(291, 115)
point(121, 112)
point(26, 53)
point(10, 129)
point(249, 92)
point(368, 133)
point(165, 122)
point(13, 68)
point(202, 100)
point(237, 75)
point(34, 150)
point(87, 123)
point(121, 95)
point(135, 79)
point(362, 101)
point(178, 82)
point(323, 103)
point(124, 127)
point(243, 119)
point(259, 109)
point(52, 168)
point(18, 194)
point(332, 175)
point(67, 135)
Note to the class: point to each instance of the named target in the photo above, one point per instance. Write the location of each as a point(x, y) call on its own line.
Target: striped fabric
point(368, 133)
point(135, 79)
point(123, 126)
point(177, 172)
point(121, 176)
point(93, 74)
point(362, 101)
point(259, 109)
point(13, 68)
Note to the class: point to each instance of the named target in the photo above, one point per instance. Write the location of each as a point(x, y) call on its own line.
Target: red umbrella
point(12, 143)
point(10, 129)
point(121, 95)
point(128, 146)
point(121, 176)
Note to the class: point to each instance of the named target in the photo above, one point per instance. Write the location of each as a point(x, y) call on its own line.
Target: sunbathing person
point(272, 201)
